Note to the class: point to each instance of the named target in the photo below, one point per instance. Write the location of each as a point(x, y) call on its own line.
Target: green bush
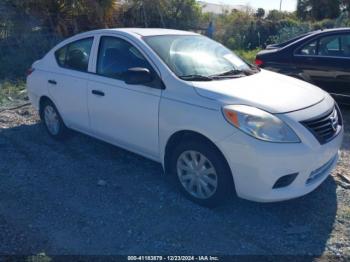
point(249, 55)
point(11, 92)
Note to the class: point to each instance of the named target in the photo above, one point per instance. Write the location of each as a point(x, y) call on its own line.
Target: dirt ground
point(86, 197)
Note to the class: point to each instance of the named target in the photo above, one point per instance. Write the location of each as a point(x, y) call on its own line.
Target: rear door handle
point(52, 82)
point(98, 93)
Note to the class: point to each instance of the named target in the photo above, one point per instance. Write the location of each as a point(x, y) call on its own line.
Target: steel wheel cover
point(197, 174)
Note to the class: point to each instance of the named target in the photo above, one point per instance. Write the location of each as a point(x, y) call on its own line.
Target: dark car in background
point(320, 57)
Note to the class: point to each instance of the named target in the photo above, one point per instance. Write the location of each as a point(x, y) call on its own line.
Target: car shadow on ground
point(83, 196)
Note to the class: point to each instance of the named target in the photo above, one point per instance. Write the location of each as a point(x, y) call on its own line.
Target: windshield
point(196, 56)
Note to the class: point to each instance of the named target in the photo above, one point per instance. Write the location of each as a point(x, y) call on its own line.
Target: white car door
point(68, 83)
point(124, 114)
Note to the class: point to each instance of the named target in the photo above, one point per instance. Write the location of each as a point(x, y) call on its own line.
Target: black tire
point(62, 131)
point(225, 186)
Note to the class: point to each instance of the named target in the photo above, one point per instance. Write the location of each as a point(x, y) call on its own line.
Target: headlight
point(259, 124)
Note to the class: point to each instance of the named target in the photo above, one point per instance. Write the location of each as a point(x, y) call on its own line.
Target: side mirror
point(138, 76)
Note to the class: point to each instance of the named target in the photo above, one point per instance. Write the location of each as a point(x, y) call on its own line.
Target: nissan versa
point(216, 123)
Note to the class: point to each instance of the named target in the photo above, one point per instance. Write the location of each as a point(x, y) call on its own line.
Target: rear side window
point(329, 46)
point(309, 49)
point(75, 55)
point(345, 45)
point(116, 56)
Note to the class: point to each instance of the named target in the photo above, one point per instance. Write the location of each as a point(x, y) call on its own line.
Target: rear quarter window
point(75, 55)
point(60, 55)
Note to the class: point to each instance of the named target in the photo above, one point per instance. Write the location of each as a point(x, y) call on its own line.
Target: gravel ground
point(86, 197)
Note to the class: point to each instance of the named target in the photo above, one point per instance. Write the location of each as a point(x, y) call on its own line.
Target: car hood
point(266, 90)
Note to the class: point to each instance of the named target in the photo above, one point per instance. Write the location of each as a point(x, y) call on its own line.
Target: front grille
point(325, 127)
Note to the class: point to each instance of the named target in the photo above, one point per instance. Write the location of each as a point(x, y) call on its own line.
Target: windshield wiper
point(253, 69)
point(196, 78)
point(235, 73)
point(230, 74)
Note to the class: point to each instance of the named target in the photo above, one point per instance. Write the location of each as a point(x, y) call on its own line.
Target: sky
point(287, 5)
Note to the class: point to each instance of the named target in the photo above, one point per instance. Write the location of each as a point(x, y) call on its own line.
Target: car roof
point(340, 29)
point(146, 31)
point(312, 34)
point(330, 30)
point(136, 32)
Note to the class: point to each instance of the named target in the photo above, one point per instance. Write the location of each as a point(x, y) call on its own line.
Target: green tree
point(346, 5)
point(276, 15)
point(319, 9)
point(260, 13)
point(183, 14)
point(66, 17)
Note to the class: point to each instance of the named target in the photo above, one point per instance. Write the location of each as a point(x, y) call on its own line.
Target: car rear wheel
point(52, 120)
point(201, 172)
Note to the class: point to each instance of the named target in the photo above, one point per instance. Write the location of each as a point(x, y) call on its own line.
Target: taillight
point(30, 71)
point(259, 62)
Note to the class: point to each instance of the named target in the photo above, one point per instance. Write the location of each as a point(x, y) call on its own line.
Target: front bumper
point(257, 165)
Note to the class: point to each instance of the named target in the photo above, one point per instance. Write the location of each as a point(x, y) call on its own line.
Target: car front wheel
point(201, 173)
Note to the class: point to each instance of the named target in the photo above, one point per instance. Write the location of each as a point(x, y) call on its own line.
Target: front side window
point(75, 55)
point(194, 55)
point(116, 56)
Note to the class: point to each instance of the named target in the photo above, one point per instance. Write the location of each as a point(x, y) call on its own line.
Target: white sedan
point(217, 124)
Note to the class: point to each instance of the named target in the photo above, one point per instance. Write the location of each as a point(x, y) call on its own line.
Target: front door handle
point(52, 82)
point(98, 93)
